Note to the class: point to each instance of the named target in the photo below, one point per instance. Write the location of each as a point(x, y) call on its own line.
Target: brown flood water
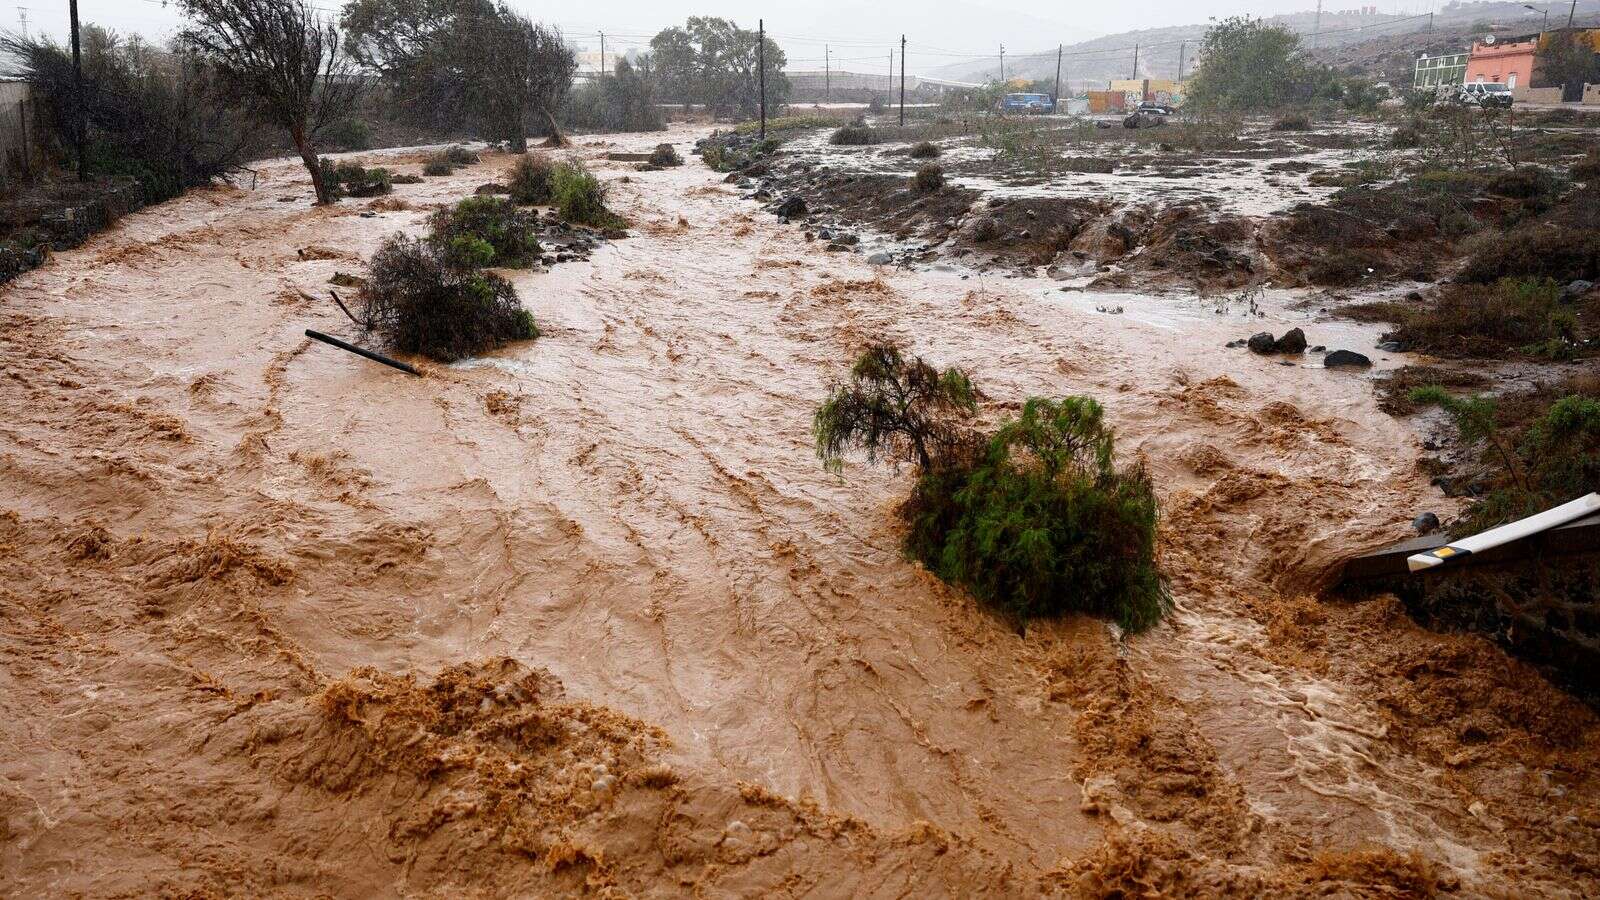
point(588, 614)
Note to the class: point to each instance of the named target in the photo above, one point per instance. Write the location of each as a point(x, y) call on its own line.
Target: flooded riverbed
point(229, 549)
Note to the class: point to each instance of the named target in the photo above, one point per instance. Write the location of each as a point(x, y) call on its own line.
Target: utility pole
point(761, 61)
point(1572, 11)
point(1182, 48)
point(81, 112)
point(602, 54)
point(827, 75)
point(1135, 62)
point(1316, 29)
point(902, 80)
point(1055, 99)
point(1002, 63)
point(22, 19)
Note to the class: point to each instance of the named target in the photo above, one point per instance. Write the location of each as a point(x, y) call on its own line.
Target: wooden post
point(761, 62)
point(27, 155)
point(902, 80)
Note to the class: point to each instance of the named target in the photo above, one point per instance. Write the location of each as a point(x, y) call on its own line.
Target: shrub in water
point(924, 150)
point(437, 167)
point(892, 406)
point(1043, 522)
point(853, 136)
point(1292, 122)
point(457, 155)
point(485, 231)
point(348, 179)
point(581, 199)
point(530, 180)
point(1036, 520)
point(928, 178)
point(420, 304)
point(665, 155)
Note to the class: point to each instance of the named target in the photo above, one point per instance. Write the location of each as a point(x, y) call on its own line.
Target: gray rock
point(880, 258)
point(1392, 347)
point(1293, 341)
point(1319, 349)
point(1427, 523)
point(1261, 342)
point(1346, 358)
point(1577, 289)
point(792, 207)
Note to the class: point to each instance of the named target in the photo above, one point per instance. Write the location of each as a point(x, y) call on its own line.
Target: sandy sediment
point(586, 615)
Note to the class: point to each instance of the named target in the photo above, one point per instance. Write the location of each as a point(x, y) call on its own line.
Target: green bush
point(349, 135)
point(421, 304)
point(929, 178)
point(1557, 458)
point(437, 167)
point(665, 155)
point(531, 180)
point(924, 150)
point(485, 231)
point(853, 136)
point(580, 198)
point(1044, 523)
point(349, 179)
point(1035, 520)
point(457, 155)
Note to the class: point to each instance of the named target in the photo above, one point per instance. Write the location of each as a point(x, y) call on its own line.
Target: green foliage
point(420, 303)
point(483, 231)
point(1478, 320)
point(531, 180)
point(1567, 58)
point(1247, 65)
point(348, 135)
point(899, 408)
point(665, 155)
point(350, 179)
point(855, 135)
point(1557, 458)
point(1043, 523)
point(624, 101)
point(715, 63)
point(929, 178)
point(437, 167)
point(580, 198)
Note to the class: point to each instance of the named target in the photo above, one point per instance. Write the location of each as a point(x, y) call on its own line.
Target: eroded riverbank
point(237, 562)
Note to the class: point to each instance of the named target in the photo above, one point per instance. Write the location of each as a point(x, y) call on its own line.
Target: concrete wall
point(1537, 95)
point(18, 157)
point(1591, 95)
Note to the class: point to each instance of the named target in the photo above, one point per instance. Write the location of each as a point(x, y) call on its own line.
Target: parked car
point(1034, 104)
point(1483, 93)
point(1148, 114)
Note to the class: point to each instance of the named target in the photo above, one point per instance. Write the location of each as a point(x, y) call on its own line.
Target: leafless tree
point(284, 61)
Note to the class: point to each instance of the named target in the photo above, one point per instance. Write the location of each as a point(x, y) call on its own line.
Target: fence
point(19, 133)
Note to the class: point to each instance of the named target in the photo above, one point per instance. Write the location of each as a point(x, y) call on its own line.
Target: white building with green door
point(1444, 69)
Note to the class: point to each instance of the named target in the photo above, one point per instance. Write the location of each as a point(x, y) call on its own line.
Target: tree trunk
point(556, 138)
point(518, 138)
point(308, 155)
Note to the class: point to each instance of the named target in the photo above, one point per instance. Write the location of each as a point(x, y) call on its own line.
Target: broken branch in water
point(375, 357)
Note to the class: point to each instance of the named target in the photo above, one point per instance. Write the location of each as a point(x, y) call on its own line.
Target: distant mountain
point(1092, 62)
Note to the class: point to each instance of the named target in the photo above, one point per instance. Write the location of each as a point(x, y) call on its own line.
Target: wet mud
point(586, 615)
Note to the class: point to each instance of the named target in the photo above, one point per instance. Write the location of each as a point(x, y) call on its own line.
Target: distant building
point(1509, 61)
point(1433, 72)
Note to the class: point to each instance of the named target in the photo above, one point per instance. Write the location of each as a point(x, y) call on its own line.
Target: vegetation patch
point(853, 135)
point(349, 179)
point(485, 231)
point(1544, 447)
point(665, 155)
point(531, 181)
point(1536, 250)
point(580, 198)
point(924, 150)
point(421, 303)
point(1035, 519)
point(1469, 320)
point(1292, 122)
point(928, 178)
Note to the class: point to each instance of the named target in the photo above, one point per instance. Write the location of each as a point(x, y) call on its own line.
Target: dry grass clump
point(1536, 250)
point(929, 178)
point(924, 150)
point(1513, 314)
point(855, 135)
point(1292, 122)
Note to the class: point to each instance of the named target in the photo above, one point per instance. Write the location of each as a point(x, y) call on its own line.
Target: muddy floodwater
point(587, 614)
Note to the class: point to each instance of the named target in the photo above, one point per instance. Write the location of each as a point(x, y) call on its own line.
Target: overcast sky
point(858, 33)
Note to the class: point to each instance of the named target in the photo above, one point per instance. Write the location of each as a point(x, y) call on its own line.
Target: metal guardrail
point(1572, 539)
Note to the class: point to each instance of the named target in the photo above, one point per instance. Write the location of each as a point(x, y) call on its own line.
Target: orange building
point(1509, 61)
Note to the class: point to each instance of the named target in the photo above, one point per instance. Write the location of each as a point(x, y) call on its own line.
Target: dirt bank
point(588, 615)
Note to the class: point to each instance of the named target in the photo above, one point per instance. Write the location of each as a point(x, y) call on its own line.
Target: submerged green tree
point(895, 407)
point(1035, 520)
